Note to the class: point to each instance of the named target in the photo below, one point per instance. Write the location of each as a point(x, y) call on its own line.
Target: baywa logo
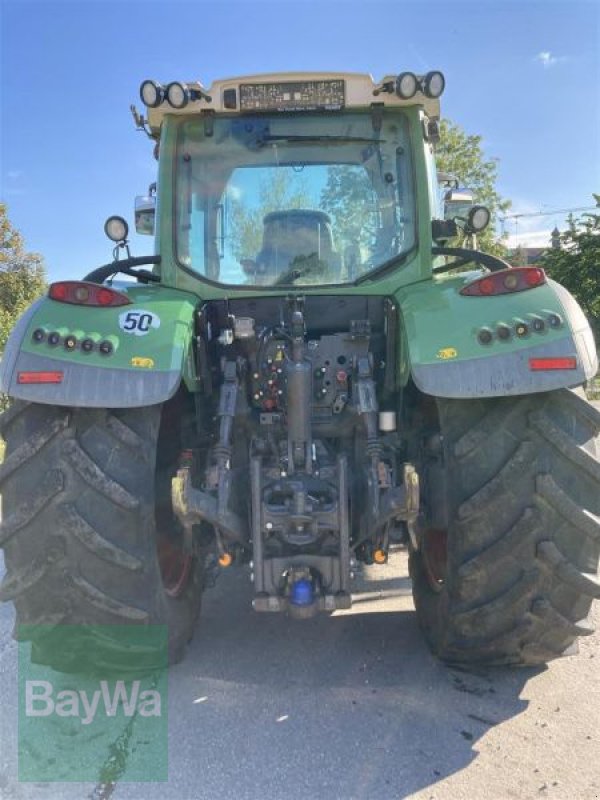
point(40, 701)
point(103, 716)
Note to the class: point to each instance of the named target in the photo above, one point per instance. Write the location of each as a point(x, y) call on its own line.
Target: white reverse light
point(178, 95)
point(434, 84)
point(407, 85)
point(152, 93)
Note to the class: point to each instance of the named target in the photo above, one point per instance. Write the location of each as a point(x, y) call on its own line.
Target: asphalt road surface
point(348, 706)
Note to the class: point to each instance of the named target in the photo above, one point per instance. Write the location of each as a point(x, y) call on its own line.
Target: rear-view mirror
point(458, 203)
point(145, 209)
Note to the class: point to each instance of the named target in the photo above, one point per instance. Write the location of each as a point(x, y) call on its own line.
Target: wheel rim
point(434, 550)
point(175, 567)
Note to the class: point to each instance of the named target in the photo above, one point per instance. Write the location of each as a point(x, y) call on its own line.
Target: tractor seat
point(292, 235)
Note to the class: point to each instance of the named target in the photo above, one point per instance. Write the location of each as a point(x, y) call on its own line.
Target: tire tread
point(524, 530)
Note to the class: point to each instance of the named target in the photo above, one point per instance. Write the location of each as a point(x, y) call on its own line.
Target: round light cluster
point(555, 320)
point(71, 343)
point(176, 94)
point(521, 329)
point(408, 84)
point(434, 84)
point(503, 332)
point(485, 336)
point(152, 93)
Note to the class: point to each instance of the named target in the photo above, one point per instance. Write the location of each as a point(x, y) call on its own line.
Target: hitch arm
point(192, 506)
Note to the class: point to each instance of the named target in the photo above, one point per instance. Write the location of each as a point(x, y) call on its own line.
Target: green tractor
point(304, 372)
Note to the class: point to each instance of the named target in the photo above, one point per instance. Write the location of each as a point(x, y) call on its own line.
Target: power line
point(547, 213)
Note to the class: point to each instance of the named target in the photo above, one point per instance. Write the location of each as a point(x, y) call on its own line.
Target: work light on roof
point(152, 93)
point(407, 85)
point(434, 84)
point(178, 94)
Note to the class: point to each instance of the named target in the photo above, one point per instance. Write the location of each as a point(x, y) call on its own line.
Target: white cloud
point(548, 59)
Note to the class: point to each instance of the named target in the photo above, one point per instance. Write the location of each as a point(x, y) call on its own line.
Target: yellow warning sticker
point(140, 361)
point(447, 353)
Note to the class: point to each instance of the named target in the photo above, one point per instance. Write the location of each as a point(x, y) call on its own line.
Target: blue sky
point(524, 75)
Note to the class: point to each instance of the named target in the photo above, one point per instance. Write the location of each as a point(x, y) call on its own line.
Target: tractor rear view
point(303, 372)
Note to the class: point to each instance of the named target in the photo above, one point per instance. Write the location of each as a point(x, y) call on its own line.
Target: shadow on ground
point(349, 706)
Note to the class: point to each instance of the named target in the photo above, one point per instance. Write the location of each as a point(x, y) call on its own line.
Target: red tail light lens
point(83, 293)
point(505, 281)
point(40, 377)
point(541, 364)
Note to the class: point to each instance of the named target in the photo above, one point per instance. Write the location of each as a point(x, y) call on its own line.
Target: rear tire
point(515, 577)
point(79, 532)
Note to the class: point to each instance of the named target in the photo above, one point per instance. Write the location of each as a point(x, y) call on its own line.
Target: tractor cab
point(294, 180)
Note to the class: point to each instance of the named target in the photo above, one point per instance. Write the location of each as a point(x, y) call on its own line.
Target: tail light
point(552, 363)
point(40, 377)
point(505, 281)
point(84, 293)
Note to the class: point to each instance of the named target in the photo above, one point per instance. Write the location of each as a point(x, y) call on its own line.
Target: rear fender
point(151, 352)
point(444, 357)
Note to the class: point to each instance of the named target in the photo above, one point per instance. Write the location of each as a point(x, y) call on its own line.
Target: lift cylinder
point(299, 397)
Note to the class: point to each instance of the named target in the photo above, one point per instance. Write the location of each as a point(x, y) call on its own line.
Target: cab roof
point(283, 91)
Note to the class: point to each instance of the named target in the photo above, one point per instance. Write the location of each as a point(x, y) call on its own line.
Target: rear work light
point(551, 363)
point(40, 377)
point(505, 281)
point(83, 293)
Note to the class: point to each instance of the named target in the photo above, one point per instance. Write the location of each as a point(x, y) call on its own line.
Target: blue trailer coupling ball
point(302, 593)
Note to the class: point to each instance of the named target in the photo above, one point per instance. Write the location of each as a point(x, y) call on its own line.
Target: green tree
point(349, 198)
point(461, 155)
point(344, 198)
point(279, 189)
point(576, 264)
point(22, 276)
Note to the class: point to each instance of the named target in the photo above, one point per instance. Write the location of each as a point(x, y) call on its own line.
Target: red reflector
point(538, 364)
point(105, 297)
point(535, 277)
point(84, 293)
point(40, 377)
point(486, 286)
point(59, 291)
